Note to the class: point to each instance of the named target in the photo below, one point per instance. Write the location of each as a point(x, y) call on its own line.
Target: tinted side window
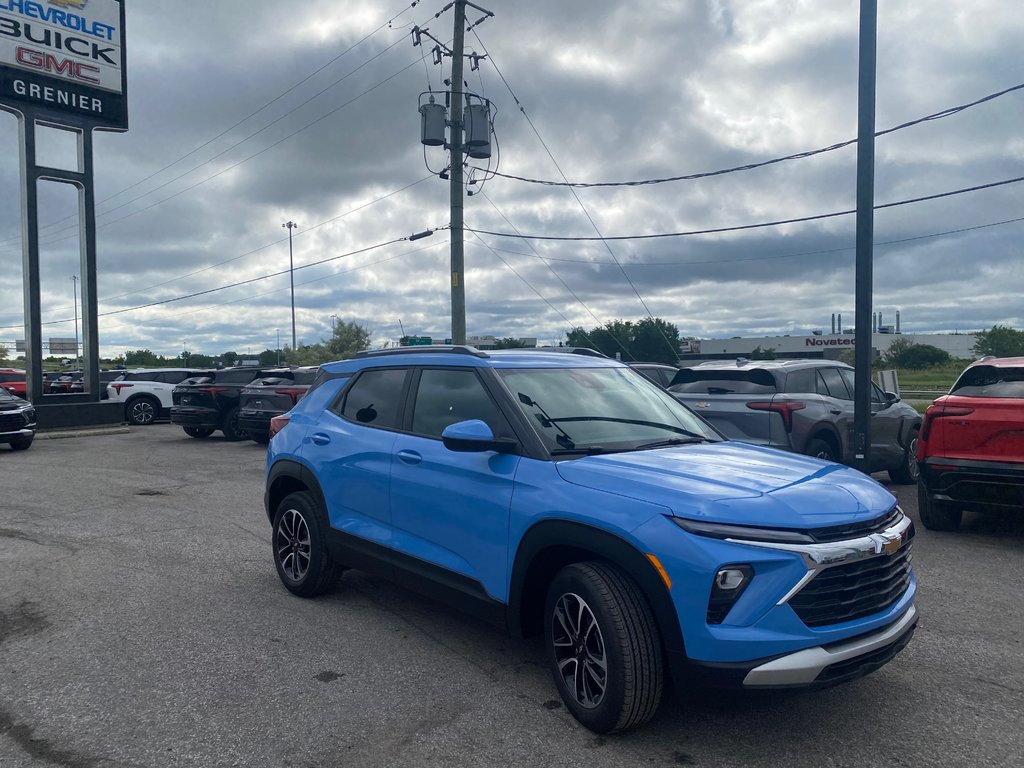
point(801, 382)
point(448, 396)
point(830, 382)
point(375, 398)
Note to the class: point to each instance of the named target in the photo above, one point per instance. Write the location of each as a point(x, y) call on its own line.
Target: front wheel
point(907, 472)
point(937, 515)
point(303, 561)
point(21, 443)
point(603, 647)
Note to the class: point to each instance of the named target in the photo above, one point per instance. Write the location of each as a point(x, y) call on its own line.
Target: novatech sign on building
point(65, 57)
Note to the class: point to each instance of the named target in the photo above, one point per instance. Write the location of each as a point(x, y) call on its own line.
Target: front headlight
point(746, 532)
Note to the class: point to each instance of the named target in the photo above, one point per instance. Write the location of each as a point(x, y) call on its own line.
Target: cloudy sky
point(247, 114)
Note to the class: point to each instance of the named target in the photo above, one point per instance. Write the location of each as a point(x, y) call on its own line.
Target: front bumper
point(970, 483)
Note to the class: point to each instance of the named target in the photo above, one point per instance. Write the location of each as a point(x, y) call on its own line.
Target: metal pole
point(865, 234)
point(457, 257)
point(74, 281)
point(291, 274)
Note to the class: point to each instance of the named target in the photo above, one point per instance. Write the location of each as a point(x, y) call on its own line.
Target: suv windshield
point(990, 381)
point(597, 410)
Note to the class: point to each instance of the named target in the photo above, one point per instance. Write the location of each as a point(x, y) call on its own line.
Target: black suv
point(203, 404)
point(17, 421)
point(265, 398)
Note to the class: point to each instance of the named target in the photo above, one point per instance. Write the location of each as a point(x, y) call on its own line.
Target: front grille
point(863, 664)
point(11, 421)
point(855, 530)
point(854, 590)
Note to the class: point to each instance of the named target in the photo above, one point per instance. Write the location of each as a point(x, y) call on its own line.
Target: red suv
point(13, 380)
point(971, 447)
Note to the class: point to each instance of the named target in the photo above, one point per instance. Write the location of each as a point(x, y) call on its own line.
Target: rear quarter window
point(375, 398)
point(990, 381)
point(750, 382)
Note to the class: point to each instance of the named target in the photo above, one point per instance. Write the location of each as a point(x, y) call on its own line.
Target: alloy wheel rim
point(915, 470)
point(579, 650)
point(143, 412)
point(292, 545)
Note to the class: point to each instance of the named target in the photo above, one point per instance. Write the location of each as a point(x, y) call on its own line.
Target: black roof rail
point(457, 349)
point(571, 351)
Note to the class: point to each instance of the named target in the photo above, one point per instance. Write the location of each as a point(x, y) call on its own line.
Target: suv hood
point(736, 483)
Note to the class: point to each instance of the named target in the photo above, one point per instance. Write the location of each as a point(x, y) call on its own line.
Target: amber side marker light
point(660, 568)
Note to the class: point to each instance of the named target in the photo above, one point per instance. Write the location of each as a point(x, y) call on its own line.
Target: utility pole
point(865, 235)
point(458, 234)
point(74, 281)
point(291, 274)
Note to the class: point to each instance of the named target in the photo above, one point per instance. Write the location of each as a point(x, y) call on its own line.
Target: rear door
point(351, 449)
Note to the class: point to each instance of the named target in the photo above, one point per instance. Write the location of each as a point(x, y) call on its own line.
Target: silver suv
point(804, 406)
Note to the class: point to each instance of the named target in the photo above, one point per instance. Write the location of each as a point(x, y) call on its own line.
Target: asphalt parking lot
point(142, 623)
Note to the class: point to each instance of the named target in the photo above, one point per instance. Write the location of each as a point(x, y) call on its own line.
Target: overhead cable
point(761, 225)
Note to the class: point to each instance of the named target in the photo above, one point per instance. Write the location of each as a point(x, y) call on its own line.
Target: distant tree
point(903, 353)
point(1000, 342)
point(230, 358)
point(4, 351)
point(348, 339)
point(651, 340)
point(306, 354)
point(510, 343)
point(762, 354)
point(269, 357)
point(143, 358)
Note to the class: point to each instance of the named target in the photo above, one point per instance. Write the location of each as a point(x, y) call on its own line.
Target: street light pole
point(74, 280)
point(291, 273)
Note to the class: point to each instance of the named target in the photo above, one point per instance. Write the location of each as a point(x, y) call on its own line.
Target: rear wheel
point(907, 472)
point(303, 561)
point(198, 431)
point(937, 515)
point(143, 410)
point(603, 647)
point(232, 432)
point(820, 449)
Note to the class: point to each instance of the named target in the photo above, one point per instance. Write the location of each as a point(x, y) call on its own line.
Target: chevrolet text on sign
point(65, 57)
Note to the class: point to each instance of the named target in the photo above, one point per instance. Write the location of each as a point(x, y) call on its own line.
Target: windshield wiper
point(672, 441)
point(589, 450)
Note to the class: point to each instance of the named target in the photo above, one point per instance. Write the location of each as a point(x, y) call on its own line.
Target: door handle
point(410, 457)
point(320, 438)
point(835, 412)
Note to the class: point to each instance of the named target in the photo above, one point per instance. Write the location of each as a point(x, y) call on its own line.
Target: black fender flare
point(550, 544)
point(288, 476)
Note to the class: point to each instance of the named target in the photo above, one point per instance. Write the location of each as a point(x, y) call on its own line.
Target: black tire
point(232, 432)
point(620, 634)
point(303, 562)
point(260, 437)
point(21, 443)
point(937, 515)
point(820, 449)
point(142, 411)
point(198, 431)
point(907, 472)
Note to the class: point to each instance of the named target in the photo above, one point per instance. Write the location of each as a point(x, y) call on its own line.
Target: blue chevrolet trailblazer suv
point(567, 495)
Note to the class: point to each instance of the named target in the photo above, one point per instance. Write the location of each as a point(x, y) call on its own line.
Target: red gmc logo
point(47, 62)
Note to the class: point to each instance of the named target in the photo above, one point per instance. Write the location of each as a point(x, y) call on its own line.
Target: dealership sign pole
point(62, 66)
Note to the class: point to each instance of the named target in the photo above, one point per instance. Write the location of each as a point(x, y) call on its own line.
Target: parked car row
point(15, 380)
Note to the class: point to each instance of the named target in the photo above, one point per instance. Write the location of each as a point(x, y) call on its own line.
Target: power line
point(235, 284)
point(583, 208)
point(718, 230)
point(770, 257)
point(751, 166)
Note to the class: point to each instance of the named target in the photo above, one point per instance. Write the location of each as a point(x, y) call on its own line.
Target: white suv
point(146, 392)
